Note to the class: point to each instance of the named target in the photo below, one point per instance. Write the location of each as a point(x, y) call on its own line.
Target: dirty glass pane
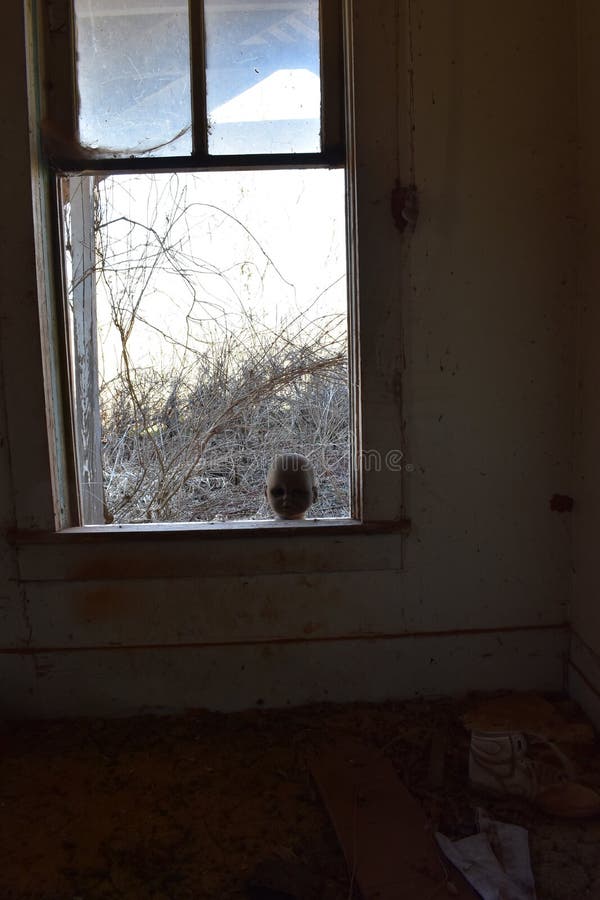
point(133, 75)
point(263, 79)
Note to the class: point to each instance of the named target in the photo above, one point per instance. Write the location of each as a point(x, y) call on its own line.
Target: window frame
point(61, 104)
point(377, 422)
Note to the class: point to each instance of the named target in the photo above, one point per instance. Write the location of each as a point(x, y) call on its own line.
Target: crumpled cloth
point(495, 861)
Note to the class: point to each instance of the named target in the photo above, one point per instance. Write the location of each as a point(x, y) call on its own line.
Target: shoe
point(501, 763)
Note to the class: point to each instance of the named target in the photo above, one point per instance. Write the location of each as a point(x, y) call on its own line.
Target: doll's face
point(290, 486)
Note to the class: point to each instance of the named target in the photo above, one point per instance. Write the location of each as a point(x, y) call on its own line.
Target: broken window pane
point(133, 75)
point(220, 311)
point(263, 78)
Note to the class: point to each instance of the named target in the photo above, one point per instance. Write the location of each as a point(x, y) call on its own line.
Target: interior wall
point(490, 299)
point(584, 668)
point(476, 596)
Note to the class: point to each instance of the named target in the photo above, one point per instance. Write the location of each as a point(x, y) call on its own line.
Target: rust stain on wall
point(269, 612)
point(404, 206)
point(109, 567)
point(102, 604)
point(561, 503)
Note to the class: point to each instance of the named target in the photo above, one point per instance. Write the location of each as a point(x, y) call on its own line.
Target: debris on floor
point(527, 712)
point(386, 838)
point(495, 861)
point(223, 807)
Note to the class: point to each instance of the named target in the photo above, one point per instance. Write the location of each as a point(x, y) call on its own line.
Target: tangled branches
point(210, 362)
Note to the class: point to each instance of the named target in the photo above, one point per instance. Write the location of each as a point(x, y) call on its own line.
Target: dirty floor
point(223, 806)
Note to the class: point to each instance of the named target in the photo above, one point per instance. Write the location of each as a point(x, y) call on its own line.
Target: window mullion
point(198, 78)
point(201, 162)
point(332, 78)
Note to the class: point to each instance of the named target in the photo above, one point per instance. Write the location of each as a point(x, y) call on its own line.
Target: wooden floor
point(223, 806)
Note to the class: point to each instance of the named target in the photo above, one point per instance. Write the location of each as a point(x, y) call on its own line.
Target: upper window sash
point(66, 152)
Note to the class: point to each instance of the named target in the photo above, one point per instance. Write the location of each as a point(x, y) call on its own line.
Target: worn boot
point(501, 763)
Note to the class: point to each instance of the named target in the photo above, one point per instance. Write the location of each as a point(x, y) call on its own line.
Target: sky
point(270, 244)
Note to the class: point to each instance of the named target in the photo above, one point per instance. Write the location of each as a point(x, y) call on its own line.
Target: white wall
point(476, 596)
point(584, 669)
point(489, 374)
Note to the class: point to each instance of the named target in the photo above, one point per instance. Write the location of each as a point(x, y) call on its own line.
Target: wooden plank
point(127, 681)
point(85, 339)
point(22, 371)
point(177, 555)
point(386, 838)
point(254, 527)
point(526, 711)
point(377, 105)
point(273, 607)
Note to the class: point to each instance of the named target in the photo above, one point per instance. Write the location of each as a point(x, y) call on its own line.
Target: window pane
point(220, 339)
point(263, 78)
point(133, 75)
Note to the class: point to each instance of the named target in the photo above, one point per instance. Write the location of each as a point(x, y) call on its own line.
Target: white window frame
point(45, 506)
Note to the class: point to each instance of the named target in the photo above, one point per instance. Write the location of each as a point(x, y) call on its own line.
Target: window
point(203, 218)
point(209, 334)
point(258, 118)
